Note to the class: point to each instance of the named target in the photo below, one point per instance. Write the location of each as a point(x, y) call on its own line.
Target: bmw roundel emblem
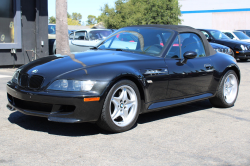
point(34, 71)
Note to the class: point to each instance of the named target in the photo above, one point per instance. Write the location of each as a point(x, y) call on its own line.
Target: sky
point(85, 7)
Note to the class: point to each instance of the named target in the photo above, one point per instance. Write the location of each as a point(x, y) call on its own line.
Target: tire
point(121, 107)
point(243, 60)
point(227, 92)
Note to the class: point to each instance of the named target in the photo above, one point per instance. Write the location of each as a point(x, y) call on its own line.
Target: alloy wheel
point(123, 105)
point(230, 88)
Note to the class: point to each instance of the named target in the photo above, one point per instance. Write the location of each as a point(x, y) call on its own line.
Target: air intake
point(35, 81)
point(23, 80)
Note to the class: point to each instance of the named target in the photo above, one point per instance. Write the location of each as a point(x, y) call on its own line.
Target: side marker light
point(91, 99)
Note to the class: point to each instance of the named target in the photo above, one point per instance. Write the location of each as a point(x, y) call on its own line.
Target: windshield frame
point(161, 53)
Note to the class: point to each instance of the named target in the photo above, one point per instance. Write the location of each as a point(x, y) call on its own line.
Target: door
point(193, 76)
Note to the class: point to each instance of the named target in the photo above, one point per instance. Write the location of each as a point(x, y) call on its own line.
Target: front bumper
point(68, 107)
point(242, 54)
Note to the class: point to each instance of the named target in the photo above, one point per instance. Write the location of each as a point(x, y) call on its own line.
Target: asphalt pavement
point(193, 135)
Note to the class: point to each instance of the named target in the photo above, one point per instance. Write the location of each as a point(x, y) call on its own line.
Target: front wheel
point(121, 107)
point(227, 91)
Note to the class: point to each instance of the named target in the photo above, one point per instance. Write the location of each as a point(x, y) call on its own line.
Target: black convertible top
point(181, 29)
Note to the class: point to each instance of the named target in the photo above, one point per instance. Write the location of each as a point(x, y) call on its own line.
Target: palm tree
point(62, 41)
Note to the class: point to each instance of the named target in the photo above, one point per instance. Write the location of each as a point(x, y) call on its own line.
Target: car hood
point(217, 46)
point(57, 64)
point(246, 40)
point(231, 41)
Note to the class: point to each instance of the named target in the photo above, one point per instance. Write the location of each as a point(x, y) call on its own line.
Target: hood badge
point(34, 71)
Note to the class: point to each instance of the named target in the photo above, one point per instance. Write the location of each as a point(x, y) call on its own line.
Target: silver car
point(83, 40)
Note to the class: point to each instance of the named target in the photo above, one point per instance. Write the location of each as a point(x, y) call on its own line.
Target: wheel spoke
point(125, 114)
point(128, 106)
point(116, 114)
point(124, 94)
point(115, 101)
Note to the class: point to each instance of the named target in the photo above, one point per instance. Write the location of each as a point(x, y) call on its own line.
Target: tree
point(52, 20)
point(91, 20)
point(141, 12)
point(68, 15)
point(73, 22)
point(77, 16)
point(62, 41)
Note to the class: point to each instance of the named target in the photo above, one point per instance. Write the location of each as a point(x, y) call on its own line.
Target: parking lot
point(194, 134)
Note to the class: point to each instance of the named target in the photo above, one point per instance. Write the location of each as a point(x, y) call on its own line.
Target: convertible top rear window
point(140, 40)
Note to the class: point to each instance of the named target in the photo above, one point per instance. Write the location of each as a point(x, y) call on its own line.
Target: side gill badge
point(155, 72)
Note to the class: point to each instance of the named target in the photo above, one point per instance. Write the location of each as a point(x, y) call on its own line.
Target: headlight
point(72, 85)
point(15, 76)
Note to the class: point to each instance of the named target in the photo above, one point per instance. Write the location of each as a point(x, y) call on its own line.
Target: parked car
point(120, 79)
point(83, 40)
point(237, 35)
point(241, 49)
point(247, 32)
point(51, 37)
point(222, 49)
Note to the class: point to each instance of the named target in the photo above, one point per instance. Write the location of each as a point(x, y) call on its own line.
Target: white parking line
point(4, 76)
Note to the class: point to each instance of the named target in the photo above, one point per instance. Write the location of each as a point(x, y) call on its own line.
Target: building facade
point(216, 14)
point(23, 31)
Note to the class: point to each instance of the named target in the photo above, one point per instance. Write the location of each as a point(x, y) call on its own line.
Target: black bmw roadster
point(135, 70)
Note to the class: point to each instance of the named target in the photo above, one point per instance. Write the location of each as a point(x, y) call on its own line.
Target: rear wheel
point(227, 92)
point(121, 107)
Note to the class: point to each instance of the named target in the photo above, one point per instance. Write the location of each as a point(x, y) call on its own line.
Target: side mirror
point(209, 38)
point(188, 55)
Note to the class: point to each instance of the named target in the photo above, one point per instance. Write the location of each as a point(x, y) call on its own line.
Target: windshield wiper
point(117, 49)
point(94, 48)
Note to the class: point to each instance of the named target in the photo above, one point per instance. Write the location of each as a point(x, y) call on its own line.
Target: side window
point(192, 42)
point(229, 35)
point(206, 34)
point(174, 51)
point(81, 35)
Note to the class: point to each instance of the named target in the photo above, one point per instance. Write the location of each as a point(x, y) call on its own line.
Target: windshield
point(241, 35)
point(218, 35)
point(140, 40)
point(52, 29)
point(99, 34)
point(248, 33)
